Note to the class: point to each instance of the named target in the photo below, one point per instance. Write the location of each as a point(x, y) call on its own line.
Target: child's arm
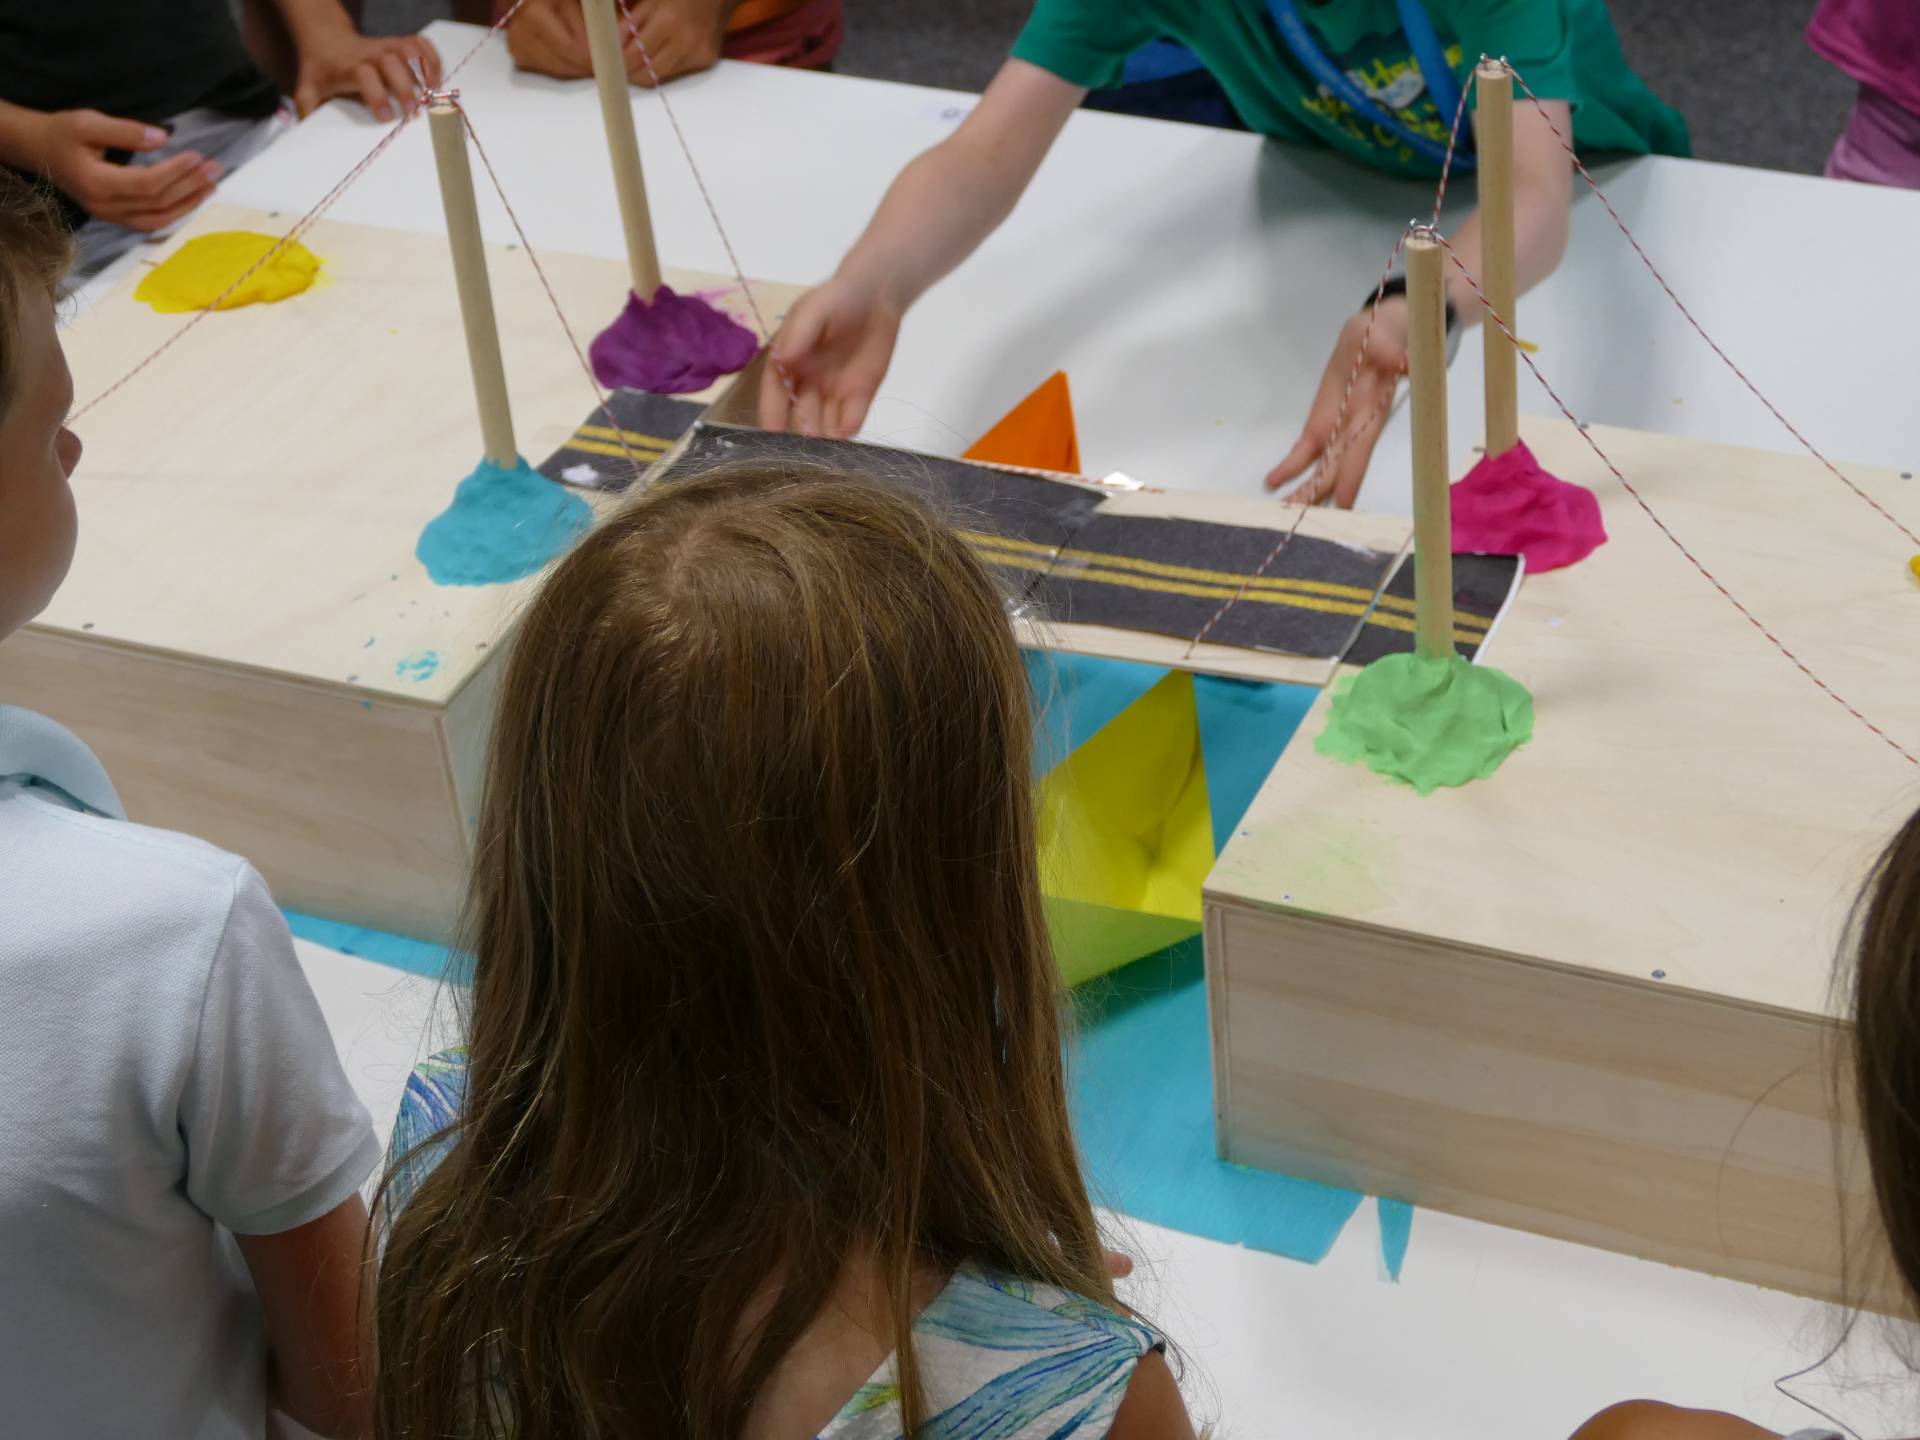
point(1542, 198)
point(1152, 1409)
point(1648, 1420)
point(310, 1284)
point(276, 1148)
point(69, 148)
point(335, 59)
point(837, 342)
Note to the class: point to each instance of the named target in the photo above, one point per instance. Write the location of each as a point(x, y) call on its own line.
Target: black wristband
point(1397, 285)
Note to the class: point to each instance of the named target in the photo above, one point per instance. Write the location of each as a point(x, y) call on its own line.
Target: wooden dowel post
point(1494, 139)
point(470, 272)
point(616, 109)
point(1432, 515)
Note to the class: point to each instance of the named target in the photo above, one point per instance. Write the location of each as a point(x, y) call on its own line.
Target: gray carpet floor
point(1753, 92)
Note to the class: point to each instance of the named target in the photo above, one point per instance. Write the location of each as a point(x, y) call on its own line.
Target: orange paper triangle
point(1038, 432)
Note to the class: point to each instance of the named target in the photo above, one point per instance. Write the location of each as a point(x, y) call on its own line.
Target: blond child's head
point(37, 451)
point(762, 976)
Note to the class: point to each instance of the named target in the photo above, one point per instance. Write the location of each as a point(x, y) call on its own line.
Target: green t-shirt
point(1564, 49)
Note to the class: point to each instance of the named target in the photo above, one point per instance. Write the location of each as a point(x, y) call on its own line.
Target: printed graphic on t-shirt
point(1394, 83)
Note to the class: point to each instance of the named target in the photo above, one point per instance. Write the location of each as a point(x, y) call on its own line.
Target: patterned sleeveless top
point(1000, 1358)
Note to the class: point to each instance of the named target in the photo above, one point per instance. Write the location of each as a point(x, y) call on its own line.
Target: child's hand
point(376, 70)
point(681, 36)
point(71, 150)
point(833, 351)
point(549, 37)
point(1339, 473)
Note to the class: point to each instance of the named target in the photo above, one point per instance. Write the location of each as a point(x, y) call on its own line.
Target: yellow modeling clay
point(202, 271)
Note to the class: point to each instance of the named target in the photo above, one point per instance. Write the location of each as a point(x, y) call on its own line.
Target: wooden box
point(246, 638)
point(1593, 996)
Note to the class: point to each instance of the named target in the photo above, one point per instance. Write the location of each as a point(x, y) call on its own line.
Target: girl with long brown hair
point(760, 1128)
point(1885, 1081)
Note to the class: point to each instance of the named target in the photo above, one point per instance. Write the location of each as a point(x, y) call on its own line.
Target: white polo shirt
point(165, 1076)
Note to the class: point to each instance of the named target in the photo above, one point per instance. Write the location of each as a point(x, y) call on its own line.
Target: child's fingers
point(147, 187)
point(192, 184)
point(429, 58)
point(108, 132)
point(163, 210)
point(159, 219)
point(373, 93)
point(661, 43)
point(399, 79)
point(1311, 491)
point(1354, 455)
point(372, 90)
point(850, 412)
point(773, 395)
point(571, 21)
point(806, 417)
point(1294, 464)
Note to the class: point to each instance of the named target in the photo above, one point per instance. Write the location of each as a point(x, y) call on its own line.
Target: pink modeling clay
point(1508, 505)
point(670, 345)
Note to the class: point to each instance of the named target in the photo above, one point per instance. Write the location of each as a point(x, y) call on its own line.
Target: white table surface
point(1190, 282)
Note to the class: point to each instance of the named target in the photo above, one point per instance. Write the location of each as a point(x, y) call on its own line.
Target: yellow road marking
point(633, 437)
point(631, 452)
point(1188, 572)
point(1468, 628)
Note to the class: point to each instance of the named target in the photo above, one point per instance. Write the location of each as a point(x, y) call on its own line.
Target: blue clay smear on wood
point(504, 524)
point(418, 668)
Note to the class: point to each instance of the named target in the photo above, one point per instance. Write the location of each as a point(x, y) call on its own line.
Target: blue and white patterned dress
point(1000, 1358)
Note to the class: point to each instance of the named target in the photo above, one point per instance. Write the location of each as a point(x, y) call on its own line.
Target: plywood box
point(1592, 996)
point(246, 638)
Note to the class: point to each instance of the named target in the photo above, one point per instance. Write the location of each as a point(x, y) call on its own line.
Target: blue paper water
point(1074, 696)
point(1142, 1087)
point(416, 957)
point(1396, 1229)
point(504, 524)
point(1244, 725)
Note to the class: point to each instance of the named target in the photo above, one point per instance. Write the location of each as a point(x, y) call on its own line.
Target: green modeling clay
point(1428, 721)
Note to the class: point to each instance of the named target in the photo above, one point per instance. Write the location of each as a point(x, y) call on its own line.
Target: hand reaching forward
point(828, 360)
point(376, 70)
point(1338, 458)
point(70, 148)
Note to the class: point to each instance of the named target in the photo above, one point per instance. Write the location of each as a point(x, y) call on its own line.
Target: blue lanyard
point(1427, 54)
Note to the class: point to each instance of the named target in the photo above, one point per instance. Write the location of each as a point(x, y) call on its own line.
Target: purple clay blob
point(670, 345)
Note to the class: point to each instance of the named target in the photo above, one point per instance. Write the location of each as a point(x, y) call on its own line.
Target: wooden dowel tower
point(1494, 139)
point(1427, 380)
point(616, 109)
point(470, 271)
